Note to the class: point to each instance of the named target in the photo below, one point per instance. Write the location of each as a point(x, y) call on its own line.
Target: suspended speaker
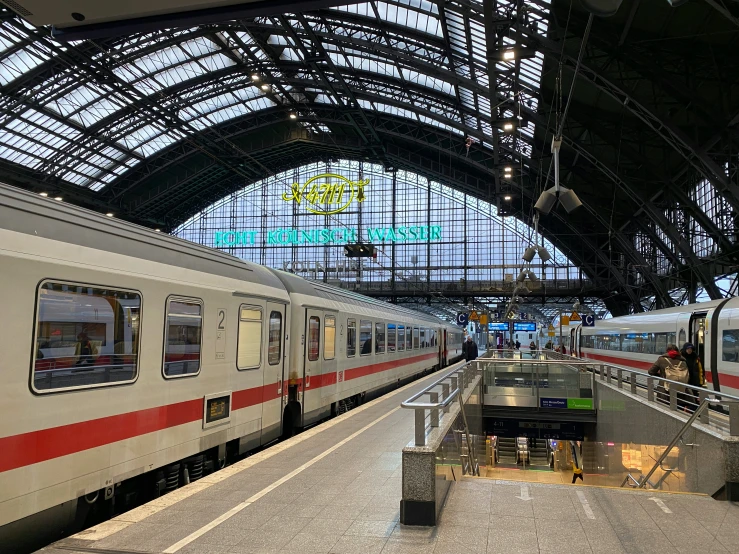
point(601, 8)
point(546, 201)
point(569, 199)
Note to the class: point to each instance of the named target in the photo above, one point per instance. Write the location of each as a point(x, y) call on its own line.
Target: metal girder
point(705, 166)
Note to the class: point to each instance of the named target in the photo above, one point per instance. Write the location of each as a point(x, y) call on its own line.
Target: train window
point(416, 341)
point(183, 337)
point(409, 337)
point(351, 337)
point(314, 337)
point(329, 337)
point(365, 337)
point(380, 338)
point(391, 337)
point(682, 340)
point(730, 345)
point(249, 342)
point(85, 337)
point(423, 338)
point(274, 348)
point(401, 338)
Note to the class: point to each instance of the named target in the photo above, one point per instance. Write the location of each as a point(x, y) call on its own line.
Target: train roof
point(654, 316)
point(298, 285)
point(31, 214)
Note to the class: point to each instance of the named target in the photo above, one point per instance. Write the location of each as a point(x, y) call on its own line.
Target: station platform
point(336, 488)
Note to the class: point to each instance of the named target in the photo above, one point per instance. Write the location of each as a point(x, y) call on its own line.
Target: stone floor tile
point(311, 543)
point(328, 526)
point(472, 540)
point(512, 543)
point(358, 545)
point(340, 512)
point(371, 528)
point(395, 546)
point(472, 519)
point(380, 514)
point(260, 540)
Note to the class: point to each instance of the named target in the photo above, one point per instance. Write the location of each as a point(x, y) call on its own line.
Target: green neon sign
point(374, 235)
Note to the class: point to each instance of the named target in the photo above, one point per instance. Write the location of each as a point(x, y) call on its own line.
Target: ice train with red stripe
point(636, 340)
point(134, 362)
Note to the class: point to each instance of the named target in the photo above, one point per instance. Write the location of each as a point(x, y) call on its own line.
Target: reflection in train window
point(401, 338)
point(416, 341)
point(365, 337)
point(391, 337)
point(351, 337)
point(380, 338)
point(424, 344)
point(249, 342)
point(730, 345)
point(314, 337)
point(85, 336)
point(183, 335)
point(409, 337)
point(329, 337)
point(274, 348)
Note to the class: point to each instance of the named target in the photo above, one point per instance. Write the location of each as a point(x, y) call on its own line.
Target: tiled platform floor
point(296, 497)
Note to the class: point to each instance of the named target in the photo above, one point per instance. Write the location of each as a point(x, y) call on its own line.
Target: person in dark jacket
point(670, 359)
point(469, 349)
point(695, 369)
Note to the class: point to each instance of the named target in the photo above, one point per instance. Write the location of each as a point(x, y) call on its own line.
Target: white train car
point(636, 340)
point(134, 362)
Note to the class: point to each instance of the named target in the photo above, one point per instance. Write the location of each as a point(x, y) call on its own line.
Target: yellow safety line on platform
point(248, 502)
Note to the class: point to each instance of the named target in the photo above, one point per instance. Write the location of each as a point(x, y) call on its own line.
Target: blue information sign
point(497, 327)
point(462, 319)
point(552, 402)
point(588, 320)
point(528, 326)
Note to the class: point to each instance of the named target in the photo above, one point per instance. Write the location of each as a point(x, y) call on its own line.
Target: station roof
point(156, 125)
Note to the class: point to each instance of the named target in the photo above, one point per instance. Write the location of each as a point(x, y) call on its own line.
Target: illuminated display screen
point(217, 409)
point(497, 326)
point(524, 326)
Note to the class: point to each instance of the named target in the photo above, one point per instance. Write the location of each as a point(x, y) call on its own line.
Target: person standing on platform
point(469, 349)
point(548, 345)
point(695, 368)
point(670, 365)
point(564, 349)
point(518, 345)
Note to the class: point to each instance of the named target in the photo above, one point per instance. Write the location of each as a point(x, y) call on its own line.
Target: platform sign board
point(564, 320)
point(550, 333)
point(588, 320)
point(473, 316)
point(552, 402)
point(521, 326)
point(497, 327)
point(462, 319)
point(580, 403)
point(511, 427)
point(483, 319)
point(574, 316)
point(523, 317)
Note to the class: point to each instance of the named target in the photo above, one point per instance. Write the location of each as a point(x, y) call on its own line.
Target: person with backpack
point(695, 368)
point(671, 365)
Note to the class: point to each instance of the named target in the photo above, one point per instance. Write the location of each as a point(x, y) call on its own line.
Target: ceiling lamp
point(265, 87)
point(157, 230)
point(508, 126)
point(58, 198)
point(509, 55)
point(507, 197)
point(293, 116)
point(44, 194)
point(109, 214)
point(254, 77)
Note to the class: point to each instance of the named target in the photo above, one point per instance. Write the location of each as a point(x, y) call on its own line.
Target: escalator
point(507, 451)
point(539, 453)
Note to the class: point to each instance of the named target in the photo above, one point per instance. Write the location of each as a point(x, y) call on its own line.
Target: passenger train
point(133, 362)
point(637, 340)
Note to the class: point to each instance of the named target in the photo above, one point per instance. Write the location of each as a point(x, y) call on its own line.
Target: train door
point(274, 376)
point(444, 347)
point(329, 376)
point(312, 362)
point(697, 334)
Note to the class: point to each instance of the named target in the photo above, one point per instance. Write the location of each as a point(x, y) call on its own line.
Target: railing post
point(733, 419)
point(650, 389)
point(619, 375)
point(453, 379)
point(633, 383)
point(705, 417)
point(673, 398)
point(602, 372)
point(445, 395)
point(434, 396)
point(420, 427)
point(608, 374)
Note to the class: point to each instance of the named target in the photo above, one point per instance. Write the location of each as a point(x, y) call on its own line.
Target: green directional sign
point(580, 403)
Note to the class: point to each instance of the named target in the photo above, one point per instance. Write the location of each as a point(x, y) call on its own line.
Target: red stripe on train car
point(39, 446)
point(731, 381)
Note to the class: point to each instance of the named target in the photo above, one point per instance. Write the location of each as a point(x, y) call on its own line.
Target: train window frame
point(416, 338)
point(351, 325)
point(260, 309)
point(408, 337)
point(167, 308)
point(310, 338)
point(35, 349)
point(400, 344)
point(380, 331)
point(362, 323)
point(394, 328)
point(735, 334)
point(326, 326)
point(272, 313)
